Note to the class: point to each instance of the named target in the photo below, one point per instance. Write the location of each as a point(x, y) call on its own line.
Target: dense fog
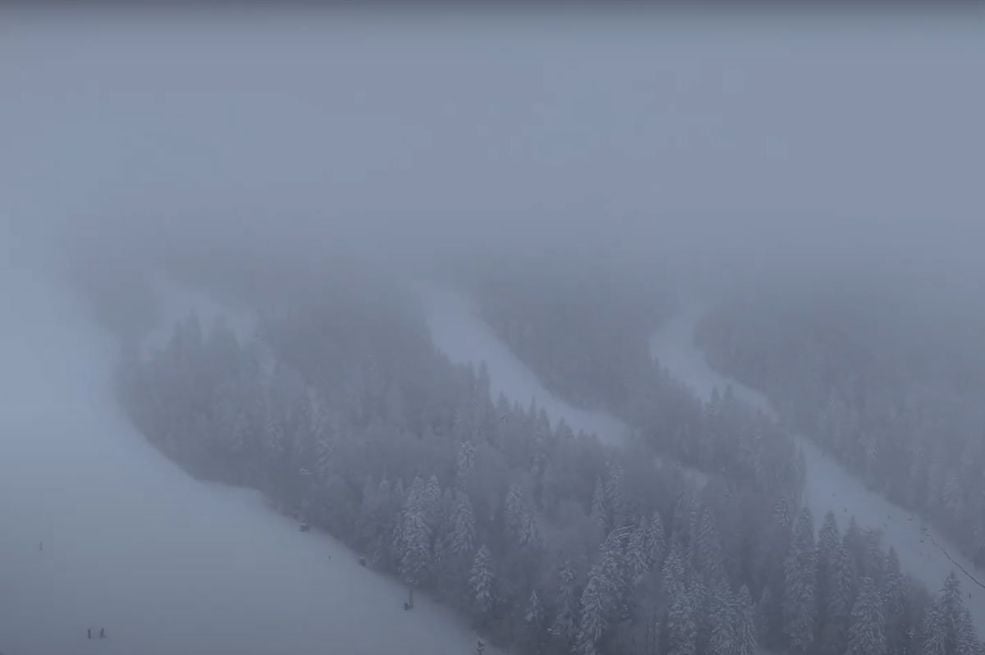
point(624, 331)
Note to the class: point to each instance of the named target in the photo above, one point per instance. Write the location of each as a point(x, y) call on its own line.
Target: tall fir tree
point(564, 626)
point(481, 582)
point(746, 642)
point(948, 629)
point(867, 631)
point(680, 626)
point(799, 607)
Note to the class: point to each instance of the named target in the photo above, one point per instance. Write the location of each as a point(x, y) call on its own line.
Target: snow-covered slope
point(459, 332)
point(165, 563)
point(923, 552)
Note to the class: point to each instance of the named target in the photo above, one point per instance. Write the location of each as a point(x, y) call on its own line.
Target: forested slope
point(548, 541)
point(894, 392)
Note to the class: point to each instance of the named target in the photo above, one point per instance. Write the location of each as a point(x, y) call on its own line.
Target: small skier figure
point(480, 647)
point(88, 633)
point(102, 633)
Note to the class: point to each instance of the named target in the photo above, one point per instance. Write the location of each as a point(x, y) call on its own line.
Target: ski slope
point(459, 332)
point(164, 563)
point(923, 552)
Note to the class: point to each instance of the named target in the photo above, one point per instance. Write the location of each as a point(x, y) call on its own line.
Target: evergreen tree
point(948, 628)
point(481, 581)
point(464, 463)
point(615, 495)
point(867, 632)
point(799, 609)
point(462, 536)
point(638, 559)
point(564, 625)
point(828, 540)
point(655, 540)
point(723, 621)
point(533, 621)
point(768, 622)
point(840, 591)
point(600, 510)
point(894, 600)
point(746, 642)
point(519, 518)
point(534, 613)
point(680, 627)
point(593, 619)
point(413, 543)
point(708, 559)
point(672, 574)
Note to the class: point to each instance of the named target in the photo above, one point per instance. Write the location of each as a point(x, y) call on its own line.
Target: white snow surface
point(923, 552)
point(165, 563)
point(459, 332)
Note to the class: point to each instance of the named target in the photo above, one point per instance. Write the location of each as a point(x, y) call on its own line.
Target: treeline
point(548, 541)
point(894, 397)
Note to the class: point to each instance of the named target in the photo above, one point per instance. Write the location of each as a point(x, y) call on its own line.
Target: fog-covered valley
point(443, 332)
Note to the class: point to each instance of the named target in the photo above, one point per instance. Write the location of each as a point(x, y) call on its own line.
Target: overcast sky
point(820, 137)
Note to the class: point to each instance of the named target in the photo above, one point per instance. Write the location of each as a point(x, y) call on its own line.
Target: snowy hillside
point(97, 529)
point(923, 552)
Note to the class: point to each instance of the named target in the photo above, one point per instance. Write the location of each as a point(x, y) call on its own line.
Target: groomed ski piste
point(98, 530)
point(923, 552)
point(459, 332)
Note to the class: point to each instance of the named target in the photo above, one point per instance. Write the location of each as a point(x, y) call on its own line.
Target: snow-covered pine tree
point(564, 627)
point(431, 503)
point(533, 621)
point(461, 539)
point(413, 542)
point(746, 642)
point(481, 581)
point(592, 620)
point(708, 558)
point(615, 494)
point(600, 511)
point(768, 620)
point(464, 463)
point(828, 540)
point(841, 590)
point(680, 627)
point(534, 612)
point(722, 620)
point(656, 543)
point(519, 518)
point(673, 573)
point(799, 607)
point(948, 629)
point(894, 598)
point(638, 560)
point(867, 631)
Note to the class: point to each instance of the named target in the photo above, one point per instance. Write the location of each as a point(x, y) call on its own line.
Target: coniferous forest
point(690, 538)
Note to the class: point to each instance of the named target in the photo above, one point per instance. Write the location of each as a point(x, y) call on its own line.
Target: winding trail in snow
point(923, 552)
point(459, 332)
